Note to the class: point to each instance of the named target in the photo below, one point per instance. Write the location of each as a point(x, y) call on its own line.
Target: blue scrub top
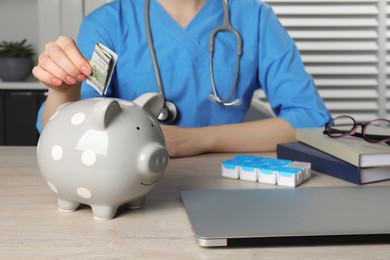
point(270, 60)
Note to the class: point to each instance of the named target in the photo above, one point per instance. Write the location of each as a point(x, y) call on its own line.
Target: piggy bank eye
point(139, 128)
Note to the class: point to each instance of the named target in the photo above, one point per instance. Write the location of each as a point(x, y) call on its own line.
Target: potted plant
point(16, 60)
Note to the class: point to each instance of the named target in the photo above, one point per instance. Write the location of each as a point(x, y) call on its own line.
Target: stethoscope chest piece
point(168, 113)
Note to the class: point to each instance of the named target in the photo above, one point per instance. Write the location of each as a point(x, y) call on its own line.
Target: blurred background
point(344, 45)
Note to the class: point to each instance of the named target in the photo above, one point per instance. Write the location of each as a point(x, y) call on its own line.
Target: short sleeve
point(289, 89)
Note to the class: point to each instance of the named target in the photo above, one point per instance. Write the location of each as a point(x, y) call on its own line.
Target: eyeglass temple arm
point(380, 138)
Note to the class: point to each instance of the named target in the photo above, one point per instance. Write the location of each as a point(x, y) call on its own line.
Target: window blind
point(345, 46)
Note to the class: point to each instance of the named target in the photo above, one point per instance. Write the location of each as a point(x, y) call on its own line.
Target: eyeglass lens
point(377, 128)
point(340, 126)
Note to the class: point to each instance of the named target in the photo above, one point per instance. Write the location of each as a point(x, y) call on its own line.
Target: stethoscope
point(169, 112)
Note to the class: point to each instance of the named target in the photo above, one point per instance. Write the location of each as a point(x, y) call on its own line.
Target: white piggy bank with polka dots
point(104, 153)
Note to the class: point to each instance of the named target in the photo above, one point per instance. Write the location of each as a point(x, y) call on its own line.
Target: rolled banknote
point(102, 63)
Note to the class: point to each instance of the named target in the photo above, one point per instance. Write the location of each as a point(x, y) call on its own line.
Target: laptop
point(288, 216)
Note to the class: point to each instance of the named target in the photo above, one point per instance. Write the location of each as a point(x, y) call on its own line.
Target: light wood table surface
point(32, 228)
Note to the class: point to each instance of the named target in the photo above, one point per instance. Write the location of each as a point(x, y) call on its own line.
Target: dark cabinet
point(18, 114)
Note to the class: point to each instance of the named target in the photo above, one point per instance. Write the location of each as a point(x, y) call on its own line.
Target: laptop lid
point(284, 216)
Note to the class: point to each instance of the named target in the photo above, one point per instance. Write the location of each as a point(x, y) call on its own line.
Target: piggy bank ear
point(152, 102)
point(103, 112)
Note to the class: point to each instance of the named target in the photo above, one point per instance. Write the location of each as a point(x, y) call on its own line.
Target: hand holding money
point(102, 63)
point(61, 64)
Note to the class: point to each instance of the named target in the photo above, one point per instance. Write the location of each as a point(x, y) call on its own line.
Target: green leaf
point(16, 49)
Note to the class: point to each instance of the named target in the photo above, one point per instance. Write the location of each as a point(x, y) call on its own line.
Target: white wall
point(19, 20)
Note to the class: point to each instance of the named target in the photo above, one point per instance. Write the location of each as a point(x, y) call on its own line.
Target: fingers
point(45, 77)
point(61, 63)
point(74, 56)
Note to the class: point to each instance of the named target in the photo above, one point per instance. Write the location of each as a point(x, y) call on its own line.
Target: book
point(329, 165)
point(351, 149)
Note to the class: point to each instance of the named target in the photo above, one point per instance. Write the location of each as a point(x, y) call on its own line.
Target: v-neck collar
point(195, 36)
point(198, 16)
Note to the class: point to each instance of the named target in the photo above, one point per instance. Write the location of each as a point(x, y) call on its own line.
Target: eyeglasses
point(375, 131)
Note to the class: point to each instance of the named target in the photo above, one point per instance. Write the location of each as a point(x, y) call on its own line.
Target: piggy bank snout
point(158, 160)
point(152, 162)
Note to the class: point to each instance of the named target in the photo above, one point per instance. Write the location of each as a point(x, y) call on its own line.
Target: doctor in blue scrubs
point(180, 31)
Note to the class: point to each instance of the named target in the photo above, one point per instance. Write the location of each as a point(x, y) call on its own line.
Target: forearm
point(256, 136)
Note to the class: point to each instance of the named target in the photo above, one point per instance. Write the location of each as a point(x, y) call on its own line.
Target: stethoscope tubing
point(225, 27)
point(151, 48)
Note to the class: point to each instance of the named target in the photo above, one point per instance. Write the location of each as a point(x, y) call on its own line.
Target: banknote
point(102, 63)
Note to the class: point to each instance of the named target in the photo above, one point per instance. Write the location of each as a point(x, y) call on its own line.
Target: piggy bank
point(104, 153)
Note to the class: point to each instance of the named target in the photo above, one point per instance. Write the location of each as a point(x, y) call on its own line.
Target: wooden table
point(32, 228)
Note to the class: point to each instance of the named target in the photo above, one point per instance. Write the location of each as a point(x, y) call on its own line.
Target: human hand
point(182, 142)
point(61, 65)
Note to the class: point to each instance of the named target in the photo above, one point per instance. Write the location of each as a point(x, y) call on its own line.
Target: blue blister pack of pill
point(266, 170)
